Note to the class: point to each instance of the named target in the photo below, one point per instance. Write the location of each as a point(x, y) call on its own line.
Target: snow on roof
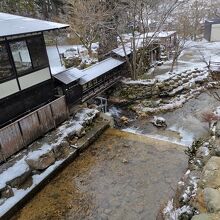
point(122, 51)
point(15, 25)
point(162, 34)
point(69, 75)
point(99, 69)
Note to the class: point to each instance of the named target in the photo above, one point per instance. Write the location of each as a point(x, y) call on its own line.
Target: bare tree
point(139, 15)
point(179, 47)
point(86, 20)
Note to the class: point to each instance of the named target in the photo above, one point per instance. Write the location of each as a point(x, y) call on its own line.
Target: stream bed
point(121, 176)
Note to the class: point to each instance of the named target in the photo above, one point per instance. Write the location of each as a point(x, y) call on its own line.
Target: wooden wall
point(24, 131)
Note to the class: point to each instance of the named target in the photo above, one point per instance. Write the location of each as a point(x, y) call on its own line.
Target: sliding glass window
point(29, 54)
point(21, 57)
point(38, 52)
point(6, 71)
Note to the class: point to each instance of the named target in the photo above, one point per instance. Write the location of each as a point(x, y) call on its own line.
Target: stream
point(121, 176)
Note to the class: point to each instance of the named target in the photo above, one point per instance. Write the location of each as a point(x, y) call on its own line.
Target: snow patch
point(114, 112)
point(170, 213)
point(13, 172)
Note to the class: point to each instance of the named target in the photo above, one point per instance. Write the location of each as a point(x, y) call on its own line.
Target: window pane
point(38, 51)
point(21, 57)
point(6, 71)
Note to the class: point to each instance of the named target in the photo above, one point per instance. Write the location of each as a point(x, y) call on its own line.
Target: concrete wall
point(215, 32)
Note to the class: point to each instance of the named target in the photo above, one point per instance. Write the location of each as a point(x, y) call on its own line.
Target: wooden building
point(166, 39)
point(25, 78)
point(81, 85)
point(212, 30)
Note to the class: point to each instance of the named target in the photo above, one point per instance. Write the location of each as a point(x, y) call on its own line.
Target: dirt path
point(121, 176)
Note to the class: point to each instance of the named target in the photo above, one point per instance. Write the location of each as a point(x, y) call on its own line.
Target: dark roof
point(88, 74)
point(213, 21)
point(99, 69)
point(69, 76)
point(123, 51)
point(16, 25)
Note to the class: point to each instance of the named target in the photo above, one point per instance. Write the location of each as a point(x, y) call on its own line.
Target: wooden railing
point(99, 88)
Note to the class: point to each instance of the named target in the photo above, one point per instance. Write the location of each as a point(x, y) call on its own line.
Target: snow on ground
point(54, 58)
point(20, 166)
point(187, 138)
point(21, 193)
point(75, 125)
point(134, 130)
point(141, 82)
point(34, 155)
point(13, 172)
point(192, 57)
point(170, 213)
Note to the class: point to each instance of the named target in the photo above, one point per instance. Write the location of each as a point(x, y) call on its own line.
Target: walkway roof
point(17, 25)
point(123, 51)
point(99, 69)
point(88, 74)
point(68, 76)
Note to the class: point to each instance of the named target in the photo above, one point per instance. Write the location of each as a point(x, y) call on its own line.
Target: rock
point(198, 202)
point(159, 122)
point(212, 199)
point(203, 154)
point(180, 82)
point(124, 120)
point(15, 175)
point(60, 150)
point(217, 131)
point(41, 161)
point(126, 145)
point(7, 192)
point(206, 216)
point(19, 180)
point(211, 174)
point(217, 151)
point(124, 161)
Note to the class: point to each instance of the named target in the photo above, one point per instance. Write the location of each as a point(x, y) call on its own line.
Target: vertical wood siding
point(11, 140)
point(21, 133)
point(59, 111)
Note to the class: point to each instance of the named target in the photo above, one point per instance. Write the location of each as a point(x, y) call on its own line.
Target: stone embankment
point(154, 96)
point(198, 194)
point(22, 175)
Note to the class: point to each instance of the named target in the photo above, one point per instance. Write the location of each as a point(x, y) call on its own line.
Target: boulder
point(206, 216)
point(217, 131)
point(159, 122)
point(41, 161)
point(203, 153)
point(124, 120)
point(20, 179)
point(212, 199)
point(15, 175)
point(6, 193)
point(61, 149)
point(217, 151)
point(211, 174)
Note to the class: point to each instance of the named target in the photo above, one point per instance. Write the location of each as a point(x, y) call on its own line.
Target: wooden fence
point(24, 131)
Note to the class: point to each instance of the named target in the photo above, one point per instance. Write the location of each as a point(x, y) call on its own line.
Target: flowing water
point(120, 176)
